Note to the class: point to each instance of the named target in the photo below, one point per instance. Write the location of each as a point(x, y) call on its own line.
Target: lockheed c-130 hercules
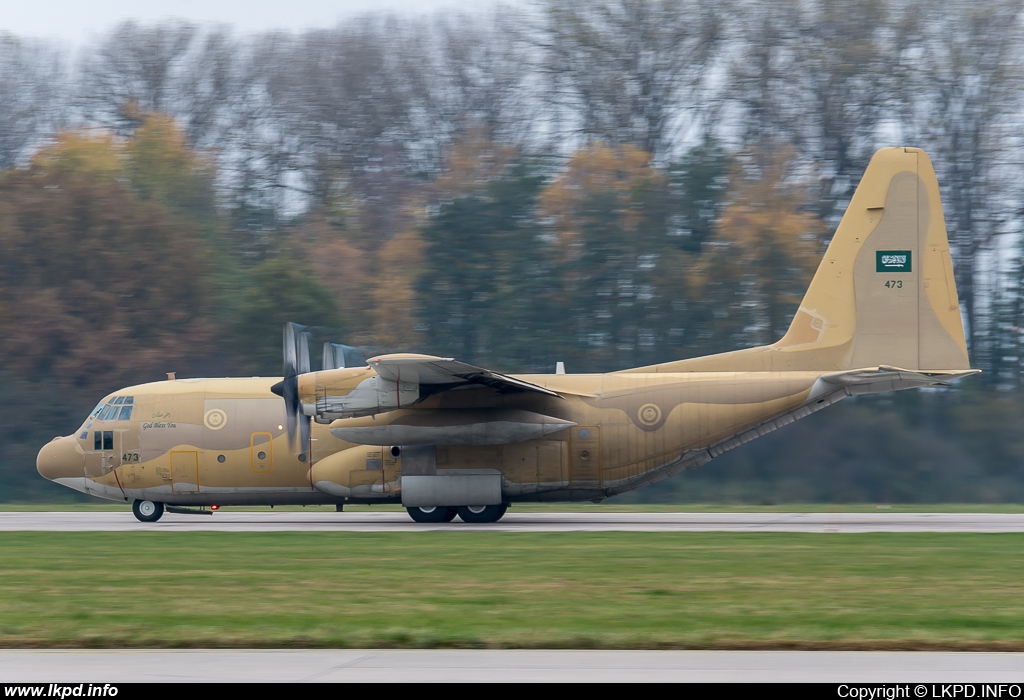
point(444, 438)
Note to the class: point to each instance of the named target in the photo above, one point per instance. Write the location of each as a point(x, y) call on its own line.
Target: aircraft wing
point(447, 373)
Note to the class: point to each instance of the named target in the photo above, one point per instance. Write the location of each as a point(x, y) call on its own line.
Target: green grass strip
point(504, 590)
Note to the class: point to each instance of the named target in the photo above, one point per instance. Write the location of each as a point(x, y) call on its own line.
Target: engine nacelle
point(365, 471)
point(348, 393)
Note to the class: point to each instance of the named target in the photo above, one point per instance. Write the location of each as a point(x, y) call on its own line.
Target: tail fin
point(883, 295)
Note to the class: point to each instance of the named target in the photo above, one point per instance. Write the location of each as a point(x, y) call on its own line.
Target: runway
point(411, 665)
point(519, 522)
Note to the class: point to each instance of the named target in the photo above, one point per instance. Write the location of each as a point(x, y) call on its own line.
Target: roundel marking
point(649, 414)
point(215, 419)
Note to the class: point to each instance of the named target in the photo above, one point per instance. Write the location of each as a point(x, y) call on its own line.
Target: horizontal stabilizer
point(879, 379)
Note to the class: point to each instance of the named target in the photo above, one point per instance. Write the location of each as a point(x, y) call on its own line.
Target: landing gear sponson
point(151, 511)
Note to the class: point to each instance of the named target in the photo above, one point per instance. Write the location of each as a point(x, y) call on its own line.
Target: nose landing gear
point(147, 511)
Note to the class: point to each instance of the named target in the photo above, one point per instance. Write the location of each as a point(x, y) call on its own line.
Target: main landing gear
point(468, 514)
point(147, 511)
point(433, 514)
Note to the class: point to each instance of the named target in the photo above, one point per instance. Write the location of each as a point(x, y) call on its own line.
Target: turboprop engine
point(367, 470)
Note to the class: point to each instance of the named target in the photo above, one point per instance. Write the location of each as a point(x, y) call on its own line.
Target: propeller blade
point(304, 433)
point(290, 394)
point(296, 361)
point(303, 365)
point(334, 356)
point(290, 361)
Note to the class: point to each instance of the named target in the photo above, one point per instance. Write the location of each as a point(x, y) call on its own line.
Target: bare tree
point(628, 71)
point(33, 82)
point(134, 70)
point(478, 80)
point(965, 106)
point(821, 75)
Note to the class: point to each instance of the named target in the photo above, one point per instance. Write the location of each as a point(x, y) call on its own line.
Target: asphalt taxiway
point(514, 665)
point(285, 521)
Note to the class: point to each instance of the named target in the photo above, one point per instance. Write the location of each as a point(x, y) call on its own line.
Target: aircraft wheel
point(433, 514)
point(482, 514)
point(147, 511)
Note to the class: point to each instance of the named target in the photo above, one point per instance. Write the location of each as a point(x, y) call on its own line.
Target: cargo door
point(585, 455)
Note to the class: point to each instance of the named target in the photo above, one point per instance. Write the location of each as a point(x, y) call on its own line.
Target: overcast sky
point(77, 20)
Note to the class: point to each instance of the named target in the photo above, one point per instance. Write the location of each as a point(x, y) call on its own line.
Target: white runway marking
point(226, 521)
point(418, 666)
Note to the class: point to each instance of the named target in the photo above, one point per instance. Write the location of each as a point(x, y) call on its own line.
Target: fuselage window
point(126, 413)
point(108, 439)
point(97, 440)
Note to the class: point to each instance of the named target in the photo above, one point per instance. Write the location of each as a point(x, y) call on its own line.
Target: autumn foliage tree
point(768, 245)
point(608, 211)
point(100, 283)
point(485, 278)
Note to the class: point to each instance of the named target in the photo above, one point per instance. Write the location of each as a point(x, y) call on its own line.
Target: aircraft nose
point(61, 457)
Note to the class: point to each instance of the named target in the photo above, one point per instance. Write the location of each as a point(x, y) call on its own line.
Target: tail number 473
point(894, 284)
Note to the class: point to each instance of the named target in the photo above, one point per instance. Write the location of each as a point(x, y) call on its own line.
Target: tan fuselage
point(223, 441)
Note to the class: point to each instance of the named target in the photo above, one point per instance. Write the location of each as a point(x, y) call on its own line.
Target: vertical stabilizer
point(884, 293)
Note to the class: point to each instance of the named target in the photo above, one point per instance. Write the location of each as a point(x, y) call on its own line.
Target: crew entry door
point(103, 452)
point(261, 452)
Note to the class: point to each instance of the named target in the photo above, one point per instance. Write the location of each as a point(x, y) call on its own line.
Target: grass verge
point(507, 590)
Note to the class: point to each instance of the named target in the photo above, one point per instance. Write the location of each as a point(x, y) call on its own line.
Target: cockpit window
point(97, 440)
point(116, 408)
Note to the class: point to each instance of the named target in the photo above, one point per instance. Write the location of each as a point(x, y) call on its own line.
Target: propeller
point(334, 356)
point(296, 362)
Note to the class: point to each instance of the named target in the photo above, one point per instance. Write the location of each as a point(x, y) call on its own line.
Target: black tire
point(434, 514)
point(147, 511)
point(482, 514)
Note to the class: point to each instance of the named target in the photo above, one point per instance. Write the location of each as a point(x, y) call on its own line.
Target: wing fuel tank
point(490, 426)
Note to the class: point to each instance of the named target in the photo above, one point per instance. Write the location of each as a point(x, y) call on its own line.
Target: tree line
point(605, 184)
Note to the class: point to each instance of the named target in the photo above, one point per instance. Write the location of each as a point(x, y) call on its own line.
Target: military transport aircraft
point(444, 438)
